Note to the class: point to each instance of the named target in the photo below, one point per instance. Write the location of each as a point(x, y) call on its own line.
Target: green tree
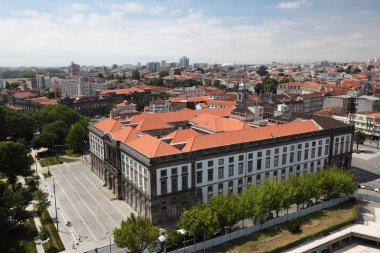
point(262, 71)
point(356, 70)
point(41, 201)
point(45, 140)
point(135, 75)
point(298, 191)
point(349, 69)
point(359, 138)
point(267, 85)
point(177, 72)
point(172, 237)
point(370, 67)
point(274, 194)
point(100, 75)
point(77, 138)
point(13, 208)
point(57, 128)
point(15, 160)
point(164, 73)
point(136, 233)
point(226, 209)
point(199, 220)
point(155, 82)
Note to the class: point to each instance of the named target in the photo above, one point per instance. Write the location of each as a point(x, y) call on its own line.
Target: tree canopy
point(262, 71)
point(77, 137)
point(135, 75)
point(136, 233)
point(15, 160)
point(359, 138)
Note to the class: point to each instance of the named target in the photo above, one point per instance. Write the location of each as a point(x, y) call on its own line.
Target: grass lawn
point(70, 152)
point(21, 239)
point(54, 244)
point(49, 161)
point(272, 238)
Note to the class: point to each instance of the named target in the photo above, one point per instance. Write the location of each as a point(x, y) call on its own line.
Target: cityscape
point(190, 126)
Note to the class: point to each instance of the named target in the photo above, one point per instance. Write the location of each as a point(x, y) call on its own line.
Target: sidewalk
point(37, 240)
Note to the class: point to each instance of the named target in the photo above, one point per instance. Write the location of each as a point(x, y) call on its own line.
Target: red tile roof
point(152, 147)
point(248, 135)
point(181, 135)
point(152, 124)
point(109, 125)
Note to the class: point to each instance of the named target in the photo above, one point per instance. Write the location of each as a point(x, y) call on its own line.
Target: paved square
point(81, 202)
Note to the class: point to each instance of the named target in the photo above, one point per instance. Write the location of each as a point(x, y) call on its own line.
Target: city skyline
point(44, 33)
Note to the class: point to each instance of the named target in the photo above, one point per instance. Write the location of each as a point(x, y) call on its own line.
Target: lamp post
point(35, 162)
point(55, 204)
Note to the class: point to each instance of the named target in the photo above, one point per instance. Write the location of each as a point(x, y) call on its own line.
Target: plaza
point(86, 214)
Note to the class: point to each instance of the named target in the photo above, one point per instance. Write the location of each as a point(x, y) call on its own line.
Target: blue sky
point(100, 32)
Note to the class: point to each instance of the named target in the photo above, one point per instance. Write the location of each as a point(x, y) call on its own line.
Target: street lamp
point(55, 204)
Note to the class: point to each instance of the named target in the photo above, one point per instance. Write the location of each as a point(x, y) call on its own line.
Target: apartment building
point(300, 88)
point(206, 154)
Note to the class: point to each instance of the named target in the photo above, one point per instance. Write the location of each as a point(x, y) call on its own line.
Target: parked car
point(377, 190)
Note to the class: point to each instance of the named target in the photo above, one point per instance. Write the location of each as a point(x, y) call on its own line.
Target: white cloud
point(127, 7)
point(157, 10)
point(111, 36)
point(78, 7)
point(291, 5)
point(176, 12)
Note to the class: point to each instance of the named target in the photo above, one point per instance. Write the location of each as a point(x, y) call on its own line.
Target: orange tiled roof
point(222, 125)
point(151, 124)
point(152, 147)
point(126, 134)
point(109, 125)
point(182, 115)
point(181, 135)
point(305, 85)
point(248, 135)
point(375, 114)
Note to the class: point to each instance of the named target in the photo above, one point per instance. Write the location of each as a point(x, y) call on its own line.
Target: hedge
point(54, 244)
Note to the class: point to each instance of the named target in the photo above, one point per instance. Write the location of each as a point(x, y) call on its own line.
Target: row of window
point(174, 184)
point(268, 152)
point(135, 172)
point(282, 172)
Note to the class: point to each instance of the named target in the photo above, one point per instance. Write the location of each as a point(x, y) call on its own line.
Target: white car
point(377, 190)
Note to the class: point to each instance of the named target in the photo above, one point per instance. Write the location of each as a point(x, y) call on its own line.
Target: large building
point(184, 62)
point(82, 86)
point(165, 162)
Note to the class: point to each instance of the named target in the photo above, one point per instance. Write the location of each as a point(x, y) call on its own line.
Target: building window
point(250, 156)
point(277, 150)
point(230, 170)
point(258, 164)
point(258, 179)
point(291, 160)
point(284, 149)
point(240, 185)
point(267, 175)
point(320, 142)
point(327, 149)
point(319, 151)
point(199, 166)
point(283, 159)
point(267, 162)
point(291, 170)
point(220, 172)
point(276, 160)
point(174, 171)
point(241, 157)
point(163, 173)
point(268, 152)
point(163, 186)
point(292, 147)
point(221, 161)
point(313, 143)
point(184, 169)
point(327, 141)
point(184, 182)
point(174, 184)
point(210, 163)
point(230, 186)
point(210, 174)
point(231, 159)
point(250, 166)
point(306, 145)
point(199, 177)
point(299, 156)
point(306, 154)
point(299, 146)
point(240, 168)
point(220, 188)
point(209, 193)
point(259, 154)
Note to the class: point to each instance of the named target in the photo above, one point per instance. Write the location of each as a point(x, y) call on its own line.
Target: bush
point(294, 226)
point(54, 244)
point(43, 234)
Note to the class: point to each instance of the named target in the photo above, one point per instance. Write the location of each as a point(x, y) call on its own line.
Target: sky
point(105, 32)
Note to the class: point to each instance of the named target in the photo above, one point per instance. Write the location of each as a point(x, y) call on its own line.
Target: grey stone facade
point(166, 207)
